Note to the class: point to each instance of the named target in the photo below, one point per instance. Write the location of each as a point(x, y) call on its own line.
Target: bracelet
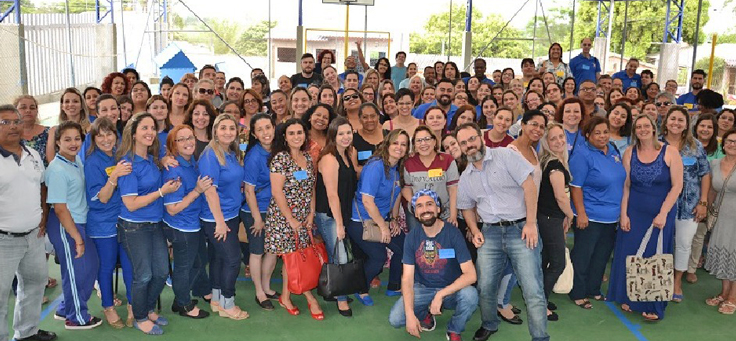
point(159, 192)
point(112, 183)
point(703, 203)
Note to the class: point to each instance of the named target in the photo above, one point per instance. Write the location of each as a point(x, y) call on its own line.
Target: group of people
point(472, 181)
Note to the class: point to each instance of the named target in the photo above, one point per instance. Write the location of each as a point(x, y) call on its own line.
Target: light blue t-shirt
point(398, 74)
point(65, 181)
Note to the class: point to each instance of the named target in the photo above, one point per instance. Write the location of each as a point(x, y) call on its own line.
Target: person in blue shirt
point(585, 66)
point(139, 221)
point(444, 94)
point(479, 67)
point(181, 223)
point(221, 161)
point(101, 173)
point(158, 106)
point(690, 100)
point(573, 117)
point(398, 71)
point(377, 199)
point(438, 273)
point(596, 189)
point(77, 254)
point(257, 183)
point(629, 77)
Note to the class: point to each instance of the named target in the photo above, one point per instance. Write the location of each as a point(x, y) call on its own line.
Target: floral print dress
point(38, 143)
point(298, 189)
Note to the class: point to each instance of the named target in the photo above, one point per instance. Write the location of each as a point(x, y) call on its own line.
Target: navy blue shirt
point(689, 101)
point(258, 175)
point(374, 182)
point(436, 260)
point(227, 179)
point(187, 220)
point(601, 177)
point(628, 81)
point(101, 218)
point(143, 180)
point(584, 68)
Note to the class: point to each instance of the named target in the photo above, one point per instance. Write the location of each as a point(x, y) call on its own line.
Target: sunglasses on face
point(660, 104)
point(206, 91)
point(349, 97)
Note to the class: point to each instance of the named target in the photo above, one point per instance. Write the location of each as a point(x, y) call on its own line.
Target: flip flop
point(585, 304)
point(52, 283)
point(627, 309)
point(677, 298)
point(648, 318)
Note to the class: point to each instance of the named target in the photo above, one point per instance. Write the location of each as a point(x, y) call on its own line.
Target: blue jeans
point(110, 251)
point(187, 266)
point(328, 230)
point(502, 244)
point(255, 243)
point(376, 255)
point(589, 257)
point(149, 255)
point(464, 302)
point(202, 284)
point(226, 265)
point(508, 282)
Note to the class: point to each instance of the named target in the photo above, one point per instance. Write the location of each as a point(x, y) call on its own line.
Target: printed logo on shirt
point(428, 257)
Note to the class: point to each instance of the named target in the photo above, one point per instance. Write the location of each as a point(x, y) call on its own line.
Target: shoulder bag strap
point(645, 241)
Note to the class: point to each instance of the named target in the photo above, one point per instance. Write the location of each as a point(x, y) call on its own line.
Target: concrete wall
point(13, 78)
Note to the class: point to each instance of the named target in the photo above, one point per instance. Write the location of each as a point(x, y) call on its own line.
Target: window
point(286, 54)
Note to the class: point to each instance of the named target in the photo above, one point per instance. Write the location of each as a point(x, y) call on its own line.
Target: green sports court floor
point(690, 320)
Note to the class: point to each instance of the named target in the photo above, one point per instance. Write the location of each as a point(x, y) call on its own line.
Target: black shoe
point(265, 304)
point(346, 313)
point(553, 316)
point(513, 320)
point(175, 307)
point(205, 299)
point(333, 299)
point(184, 311)
point(41, 335)
point(551, 306)
point(515, 310)
point(483, 334)
point(274, 296)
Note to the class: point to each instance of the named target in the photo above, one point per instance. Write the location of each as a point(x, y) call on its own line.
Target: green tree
point(252, 40)
point(435, 32)
point(716, 75)
point(645, 30)
point(556, 29)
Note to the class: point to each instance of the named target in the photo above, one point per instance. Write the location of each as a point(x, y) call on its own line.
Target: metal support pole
point(300, 38)
point(270, 52)
point(572, 32)
point(468, 36)
point(347, 27)
point(712, 58)
point(69, 38)
point(534, 41)
point(623, 35)
point(697, 34)
point(449, 34)
point(608, 36)
point(365, 29)
point(122, 23)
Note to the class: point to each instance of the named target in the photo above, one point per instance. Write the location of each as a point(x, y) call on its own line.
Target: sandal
point(691, 277)
point(131, 319)
point(117, 302)
point(650, 317)
point(727, 308)
point(677, 298)
point(215, 306)
point(585, 304)
point(238, 315)
point(599, 298)
point(715, 301)
point(51, 283)
point(113, 319)
point(625, 308)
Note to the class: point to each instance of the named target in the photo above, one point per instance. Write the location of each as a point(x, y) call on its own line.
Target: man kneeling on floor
point(438, 273)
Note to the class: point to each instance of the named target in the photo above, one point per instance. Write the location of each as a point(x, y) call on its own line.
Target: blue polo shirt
point(689, 101)
point(101, 218)
point(373, 182)
point(422, 109)
point(584, 68)
point(143, 180)
point(187, 220)
point(227, 179)
point(484, 80)
point(259, 176)
point(628, 81)
point(575, 141)
point(162, 143)
point(601, 177)
point(65, 182)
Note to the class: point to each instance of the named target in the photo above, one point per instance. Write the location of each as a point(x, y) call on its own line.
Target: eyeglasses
point(424, 140)
point(471, 139)
point(206, 91)
point(349, 97)
point(249, 101)
point(10, 122)
point(185, 139)
point(729, 142)
point(659, 104)
point(535, 125)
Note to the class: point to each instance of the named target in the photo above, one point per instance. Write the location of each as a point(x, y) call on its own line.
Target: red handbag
point(304, 265)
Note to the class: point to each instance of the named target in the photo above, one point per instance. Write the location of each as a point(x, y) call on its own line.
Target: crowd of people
point(472, 181)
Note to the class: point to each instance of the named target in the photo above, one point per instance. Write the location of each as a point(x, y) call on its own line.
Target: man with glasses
point(307, 76)
point(587, 94)
point(444, 94)
point(22, 230)
point(671, 86)
point(204, 89)
point(689, 100)
point(664, 102)
point(497, 185)
point(584, 66)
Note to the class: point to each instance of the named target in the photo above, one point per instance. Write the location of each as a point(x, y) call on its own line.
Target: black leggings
point(553, 250)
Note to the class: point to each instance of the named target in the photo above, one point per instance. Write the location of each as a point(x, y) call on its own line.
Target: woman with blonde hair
point(72, 108)
point(180, 99)
point(222, 161)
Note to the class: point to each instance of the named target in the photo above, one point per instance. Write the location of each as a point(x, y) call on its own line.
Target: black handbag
point(342, 279)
